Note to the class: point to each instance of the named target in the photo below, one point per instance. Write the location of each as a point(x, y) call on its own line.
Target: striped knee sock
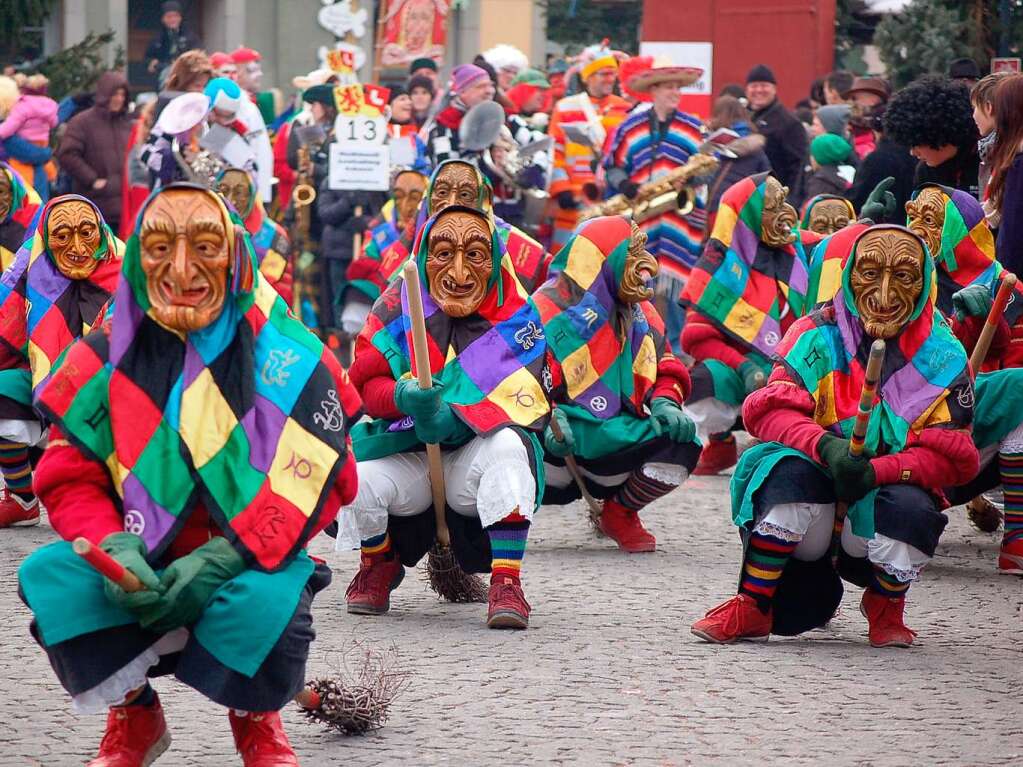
point(766, 556)
point(377, 546)
point(508, 546)
point(887, 585)
point(17, 470)
point(640, 490)
point(1011, 466)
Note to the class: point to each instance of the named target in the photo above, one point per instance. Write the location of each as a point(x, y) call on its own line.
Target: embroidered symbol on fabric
point(523, 399)
point(97, 416)
point(546, 379)
point(134, 522)
point(590, 316)
point(813, 357)
point(599, 404)
point(964, 396)
point(266, 529)
point(771, 338)
point(275, 370)
point(332, 418)
point(528, 336)
point(300, 468)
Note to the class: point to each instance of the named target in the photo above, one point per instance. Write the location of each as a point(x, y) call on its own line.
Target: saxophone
point(302, 196)
point(672, 191)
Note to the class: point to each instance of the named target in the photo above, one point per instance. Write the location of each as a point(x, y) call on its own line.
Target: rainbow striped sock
point(766, 556)
point(640, 490)
point(377, 546)
point(17, 470)
point(1011, 467)
point(887, 585)
point(508, 546)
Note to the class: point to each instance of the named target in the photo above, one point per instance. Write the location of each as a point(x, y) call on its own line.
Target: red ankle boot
point(1010, 557)
point(135, 737)
point(508, 606)
point(622, 525)
point(738, 618)
point(369, 593)
point(15, 512)
point(260, 739)
point(717, 455)
point(884, 616)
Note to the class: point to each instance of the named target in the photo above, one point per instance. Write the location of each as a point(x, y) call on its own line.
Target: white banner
point(359, 165)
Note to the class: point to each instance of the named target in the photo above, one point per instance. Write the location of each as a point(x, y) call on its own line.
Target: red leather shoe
point(508, 606)
point(884, 616)
point(622, 525)
point(738, 618)
point(369, 593)
point(260, 739)
point(135, 737)
point(717, 455)
point(1010, 557)
point(14, 512)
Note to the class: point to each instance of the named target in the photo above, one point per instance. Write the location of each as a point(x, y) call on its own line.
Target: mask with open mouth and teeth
point(73, 235)
point(778, 222)
point(184, 255)
point(926, 217)
point(886, 280)
point(459, 262)
point(640, 269)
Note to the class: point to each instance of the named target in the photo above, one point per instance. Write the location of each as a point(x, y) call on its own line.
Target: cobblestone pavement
point(608, 673)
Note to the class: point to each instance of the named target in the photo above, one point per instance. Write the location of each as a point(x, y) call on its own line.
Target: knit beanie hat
point(424, 82)
point(531, 76)
point(834, 118)
point(830, 149)
point(224, 94)
point(422, 63)
point(219, 59)
point(466, 75)
point(761, 73)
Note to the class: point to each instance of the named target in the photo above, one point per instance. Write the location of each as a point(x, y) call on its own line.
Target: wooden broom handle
point(421, 355)
point(573, 468)
point(987, 333)
point(106, 565)
point(870, 379)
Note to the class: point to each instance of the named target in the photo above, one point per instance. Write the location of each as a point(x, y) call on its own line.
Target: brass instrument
point(672, 191)
point(302, 196)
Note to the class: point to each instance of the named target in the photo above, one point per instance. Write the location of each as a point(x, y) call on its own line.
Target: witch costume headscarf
point(247, 415)
point(15, 226)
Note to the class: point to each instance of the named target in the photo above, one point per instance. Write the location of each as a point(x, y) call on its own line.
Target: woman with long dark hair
point(1005, 190)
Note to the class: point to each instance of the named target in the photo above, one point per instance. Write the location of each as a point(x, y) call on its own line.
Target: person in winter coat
point(93, 148)
point(786, 137)
point(889, 159)
point(1006, 186)
point(30, 117)
point(738, 148)
point(829, 158)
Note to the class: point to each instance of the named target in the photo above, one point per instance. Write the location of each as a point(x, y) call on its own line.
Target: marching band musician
point(647, 145)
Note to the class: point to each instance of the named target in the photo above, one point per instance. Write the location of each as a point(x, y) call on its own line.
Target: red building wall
point(796, 38)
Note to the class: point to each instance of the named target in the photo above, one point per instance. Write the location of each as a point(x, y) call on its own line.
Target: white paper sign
point(358, 128)
point(359, 165)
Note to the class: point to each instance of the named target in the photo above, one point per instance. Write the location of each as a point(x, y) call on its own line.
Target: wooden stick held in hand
point(421, 355)
point(106, 565)
point(867, 393)
point(987, 333)
point(573, 468)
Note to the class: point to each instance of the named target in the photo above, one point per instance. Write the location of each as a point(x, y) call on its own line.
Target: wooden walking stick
point(573, 468)
point(984, 515)
point(987, 333)
point(875, 361)
point(445, 575)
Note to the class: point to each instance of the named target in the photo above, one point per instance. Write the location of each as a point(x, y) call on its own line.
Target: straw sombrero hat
point(664, 71)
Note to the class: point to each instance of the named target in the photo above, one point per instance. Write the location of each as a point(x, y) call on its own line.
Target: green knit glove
point(191, 581)
point(880, 203)
point(442, 426)
point(416, 402)
point(669, 419)
point(972, 301)
point(853, 476)
point(130, 550)
point(753, 376)
point(551, 443)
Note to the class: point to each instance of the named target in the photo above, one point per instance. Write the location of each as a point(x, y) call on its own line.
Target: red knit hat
point(219, 59)
point(243, 55)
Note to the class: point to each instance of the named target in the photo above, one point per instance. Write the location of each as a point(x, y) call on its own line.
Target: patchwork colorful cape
point(826, 262)
point(528, 257)
point(645, 154)
point(25, 204)
point(745, 287)
point(809, 204)
point(42, 312)
point(247, 416)
point(608, 350)
point(386, 251)
point(967, 254)
point(490, 363)
point(269, 239)
point(826, 353)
